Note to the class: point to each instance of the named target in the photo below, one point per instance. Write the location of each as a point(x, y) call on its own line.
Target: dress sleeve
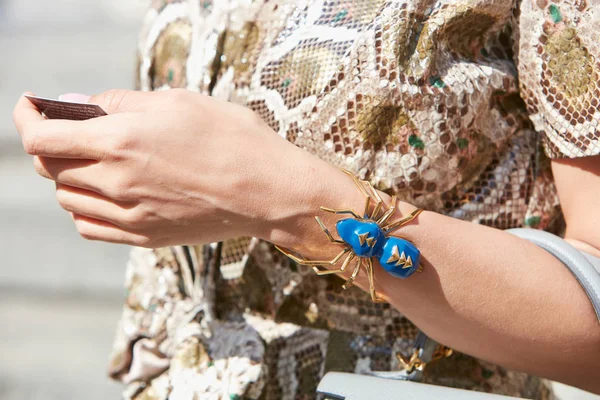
point(559, 74)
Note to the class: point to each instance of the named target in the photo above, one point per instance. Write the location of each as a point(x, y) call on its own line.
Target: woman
point(419, 98)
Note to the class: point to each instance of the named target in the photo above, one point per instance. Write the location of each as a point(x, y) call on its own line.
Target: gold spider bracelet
point(366, 237)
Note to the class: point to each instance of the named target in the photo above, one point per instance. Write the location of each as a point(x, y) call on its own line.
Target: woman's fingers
point(65, 170)
point(96, 206)
point(94, 229)
point(86, 174)
point(25, 113)
point(59, 138)
point(90, 139)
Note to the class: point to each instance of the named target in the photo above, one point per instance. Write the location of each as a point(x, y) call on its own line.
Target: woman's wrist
point(313, 183)
point(302, 187)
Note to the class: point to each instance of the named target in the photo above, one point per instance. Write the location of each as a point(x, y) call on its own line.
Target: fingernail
point(74, 97)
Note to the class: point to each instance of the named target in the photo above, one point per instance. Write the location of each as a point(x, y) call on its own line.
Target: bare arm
point(483, 291)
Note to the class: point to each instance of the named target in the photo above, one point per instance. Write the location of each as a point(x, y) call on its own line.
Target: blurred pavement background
point(60, 296)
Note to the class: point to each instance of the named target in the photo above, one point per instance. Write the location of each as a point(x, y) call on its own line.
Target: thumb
point(120, 101)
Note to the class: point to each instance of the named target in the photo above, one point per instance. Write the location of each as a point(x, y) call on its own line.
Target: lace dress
point(455, 106)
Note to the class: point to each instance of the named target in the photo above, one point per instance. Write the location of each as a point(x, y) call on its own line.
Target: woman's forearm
point(498, 297)
point(483, 291)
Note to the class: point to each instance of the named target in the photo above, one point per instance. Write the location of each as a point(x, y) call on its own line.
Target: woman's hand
point(168, 168)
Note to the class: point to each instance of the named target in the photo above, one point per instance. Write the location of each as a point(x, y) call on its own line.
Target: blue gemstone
point(400, 258)
point(365, 237)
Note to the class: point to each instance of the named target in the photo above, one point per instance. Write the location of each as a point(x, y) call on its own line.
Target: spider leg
point(304, 261)
point(403, 221)
point(336, 271)
point(369, 268)
point(344, 211)
point(379, 202)
point(349, 282)
point(389, 211)
point(329, 236)
point(362, 190)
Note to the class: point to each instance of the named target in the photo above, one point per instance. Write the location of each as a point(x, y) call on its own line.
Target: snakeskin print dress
point(455, 106)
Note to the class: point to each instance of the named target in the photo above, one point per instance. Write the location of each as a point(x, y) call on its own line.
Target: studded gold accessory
point(415, 362)
point(366, 237)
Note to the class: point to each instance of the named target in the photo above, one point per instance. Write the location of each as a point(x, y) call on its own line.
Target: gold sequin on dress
point(448, 104)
